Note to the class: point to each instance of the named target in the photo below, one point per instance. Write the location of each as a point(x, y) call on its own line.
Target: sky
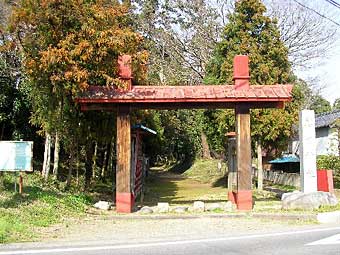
point(329, 71)
point(328, 74)
point(329, 77)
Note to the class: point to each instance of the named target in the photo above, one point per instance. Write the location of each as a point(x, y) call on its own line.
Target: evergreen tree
point(250, 32)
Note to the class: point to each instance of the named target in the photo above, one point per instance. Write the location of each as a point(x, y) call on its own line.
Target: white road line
point(335, 239)
point(132, 246)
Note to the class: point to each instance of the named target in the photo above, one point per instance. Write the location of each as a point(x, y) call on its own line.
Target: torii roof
point(174, 97)
point(200, 96)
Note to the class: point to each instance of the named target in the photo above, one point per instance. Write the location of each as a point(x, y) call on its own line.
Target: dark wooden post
point(124, 195)
point(232, 171)
point(243, 195)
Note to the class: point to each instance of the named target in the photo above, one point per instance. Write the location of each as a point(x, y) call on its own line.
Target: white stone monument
point(307, 153)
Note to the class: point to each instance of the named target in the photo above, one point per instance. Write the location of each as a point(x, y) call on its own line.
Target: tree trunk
point(56, 155)
point(47, 156)
point(94, 160)
point(259, 166)
point(88, 166)
point(205, 147)
point(102, 174)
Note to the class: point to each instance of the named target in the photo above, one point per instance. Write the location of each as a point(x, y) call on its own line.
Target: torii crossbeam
point(241, 96)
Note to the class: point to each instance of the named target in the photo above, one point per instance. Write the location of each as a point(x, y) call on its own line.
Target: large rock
point(312, 200)
point(103, 205)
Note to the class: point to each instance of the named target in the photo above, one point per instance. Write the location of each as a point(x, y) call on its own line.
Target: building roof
point(326, 119)
point(285, 159)
point(142, 95)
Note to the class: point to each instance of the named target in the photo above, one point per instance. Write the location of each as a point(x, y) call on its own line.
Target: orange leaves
point(76, 43)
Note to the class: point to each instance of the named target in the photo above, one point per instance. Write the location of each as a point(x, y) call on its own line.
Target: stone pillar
point(124, 196)
point(307, 153)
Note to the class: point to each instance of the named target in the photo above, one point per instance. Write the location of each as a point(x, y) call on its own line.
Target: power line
point(332, 2)
point(320, 14)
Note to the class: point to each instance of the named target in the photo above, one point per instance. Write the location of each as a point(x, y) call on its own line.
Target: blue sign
point(16, 156)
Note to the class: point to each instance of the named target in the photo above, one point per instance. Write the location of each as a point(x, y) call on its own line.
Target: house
point(327, 132)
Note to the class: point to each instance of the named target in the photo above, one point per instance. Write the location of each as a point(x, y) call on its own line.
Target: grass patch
point(207, 171)
point(41, 205)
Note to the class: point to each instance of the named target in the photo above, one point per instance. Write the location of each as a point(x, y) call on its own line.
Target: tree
point(320, 105)
point(252, 33)
point(308, 35)
point(69, 46)
point(336, 104)
point(180, 36)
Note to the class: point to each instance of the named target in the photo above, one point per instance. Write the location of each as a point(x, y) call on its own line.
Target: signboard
point(16, 156)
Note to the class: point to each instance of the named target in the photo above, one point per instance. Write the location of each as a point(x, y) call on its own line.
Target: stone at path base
point(103, 205)
point(198, 206)
point(124, 202)
point(244, 200)
point(213, 206)
point(180, 209)
point(163, 207)
point(146, 210)
point(312, 200)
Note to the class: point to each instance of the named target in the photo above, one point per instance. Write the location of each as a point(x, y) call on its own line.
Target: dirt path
point(177, 189)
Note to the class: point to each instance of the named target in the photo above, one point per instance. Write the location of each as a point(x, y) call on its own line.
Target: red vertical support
point(241, 72)
point(125, 70)
point(243, 194)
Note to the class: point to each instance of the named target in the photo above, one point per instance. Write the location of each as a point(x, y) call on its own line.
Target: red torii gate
point(241, 96)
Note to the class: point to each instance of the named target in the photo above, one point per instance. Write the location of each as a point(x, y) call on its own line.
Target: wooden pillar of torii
point(124, 195)
point(242, 195)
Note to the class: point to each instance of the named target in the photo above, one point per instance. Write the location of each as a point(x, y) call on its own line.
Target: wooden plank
point(243, 148)
point(123, 173)
point(188, 105)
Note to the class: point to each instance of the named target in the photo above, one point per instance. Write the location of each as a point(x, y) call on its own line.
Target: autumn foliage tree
point(68, 46)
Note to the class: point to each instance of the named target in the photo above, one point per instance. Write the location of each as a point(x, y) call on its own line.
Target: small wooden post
point(243, 194)
point(20, 183)
point(124, 197)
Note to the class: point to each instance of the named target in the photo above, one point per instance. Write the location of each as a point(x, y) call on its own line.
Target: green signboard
point(16, 156)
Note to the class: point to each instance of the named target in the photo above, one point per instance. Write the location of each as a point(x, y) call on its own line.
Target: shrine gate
point(241, 96)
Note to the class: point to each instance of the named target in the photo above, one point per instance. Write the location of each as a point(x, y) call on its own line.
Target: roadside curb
point(297, 217)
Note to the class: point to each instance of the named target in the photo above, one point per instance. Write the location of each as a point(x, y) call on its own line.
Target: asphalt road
point(325, 241)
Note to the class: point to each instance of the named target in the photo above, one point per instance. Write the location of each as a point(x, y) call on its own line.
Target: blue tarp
point(285, 159)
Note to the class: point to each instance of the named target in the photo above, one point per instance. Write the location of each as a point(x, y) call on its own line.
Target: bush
point(329, 162)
